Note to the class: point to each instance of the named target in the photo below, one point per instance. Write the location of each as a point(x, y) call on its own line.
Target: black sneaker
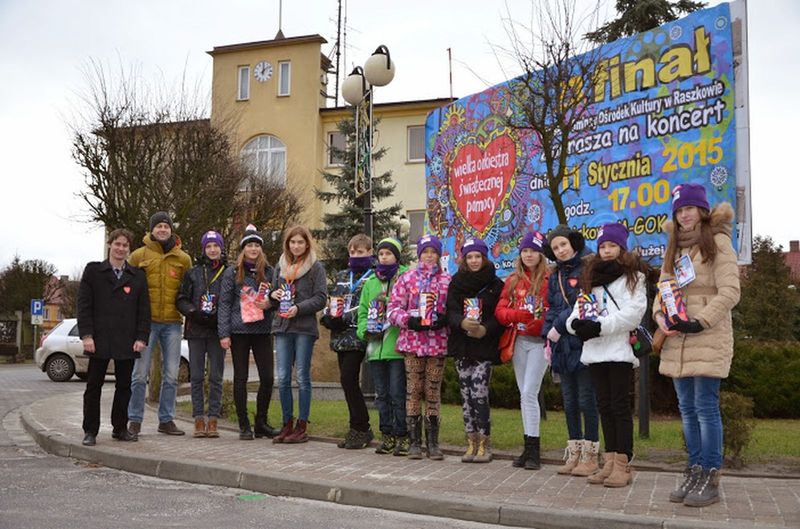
point(690, 478)
point(170, 428)
point(360, 440)
point(347, 438)
point(89, 440)
point(706, 491)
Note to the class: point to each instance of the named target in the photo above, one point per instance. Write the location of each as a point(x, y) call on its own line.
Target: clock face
point(263, 71)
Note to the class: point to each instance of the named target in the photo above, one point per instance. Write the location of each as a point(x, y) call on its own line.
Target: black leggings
point(261, 345)
point(612, 385)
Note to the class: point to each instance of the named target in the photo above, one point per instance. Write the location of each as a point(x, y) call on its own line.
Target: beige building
point(273, 96)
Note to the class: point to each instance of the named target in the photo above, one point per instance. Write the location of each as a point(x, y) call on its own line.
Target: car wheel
point(183, 372)
point(60, 367)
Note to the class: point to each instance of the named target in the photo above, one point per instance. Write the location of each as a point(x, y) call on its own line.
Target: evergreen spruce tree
point(769, 302)
point(637, 16)
point(348, 220)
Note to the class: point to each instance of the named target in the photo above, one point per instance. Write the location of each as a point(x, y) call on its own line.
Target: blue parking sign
point(37, 307)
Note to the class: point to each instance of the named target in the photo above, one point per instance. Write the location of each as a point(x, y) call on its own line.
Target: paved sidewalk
point(489, 493)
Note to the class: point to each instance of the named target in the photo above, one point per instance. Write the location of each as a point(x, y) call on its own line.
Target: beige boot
point(571, 456)
point(622, 475)
point(472, 447)
point(588, 462)
point(608, 465)
point(483, 454)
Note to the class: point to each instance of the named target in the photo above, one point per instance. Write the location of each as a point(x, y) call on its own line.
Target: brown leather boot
point(211, 428)
point(622, 474)
point(571, 455)
point(287, 429)
point(608, 465)
point(299, 434)
point(199, 427)
point(587, 465)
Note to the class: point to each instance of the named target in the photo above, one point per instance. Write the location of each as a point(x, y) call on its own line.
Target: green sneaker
point(359, 440)
point(388, 442)
point(349, 436)
point(401, 446)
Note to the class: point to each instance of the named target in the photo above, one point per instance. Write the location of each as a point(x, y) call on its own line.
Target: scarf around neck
point(605, 272)
point(297, 270)
point(468, 283)
point(687, 239)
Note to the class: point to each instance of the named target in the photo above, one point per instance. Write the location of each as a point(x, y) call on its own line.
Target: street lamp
point(358, 90)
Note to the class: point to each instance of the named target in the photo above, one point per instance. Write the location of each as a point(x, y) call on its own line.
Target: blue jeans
point(198, 349)
point(169, 336)
point(578, 393)
point(698, 400)
point(294, 350)
point(389, 377)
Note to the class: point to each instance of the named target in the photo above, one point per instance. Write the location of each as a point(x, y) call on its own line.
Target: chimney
point(794, 246)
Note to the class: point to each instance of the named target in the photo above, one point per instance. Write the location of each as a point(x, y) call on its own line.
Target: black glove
point(333, 324)
point(414, 323)
point(207, 319)
point(371, 336)
point(440, 322)
point(586, 329)
point(688, 327)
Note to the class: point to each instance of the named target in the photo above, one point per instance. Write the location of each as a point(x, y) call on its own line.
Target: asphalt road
point(39, 490)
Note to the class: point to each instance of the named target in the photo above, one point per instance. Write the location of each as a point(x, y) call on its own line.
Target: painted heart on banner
point(479, 180)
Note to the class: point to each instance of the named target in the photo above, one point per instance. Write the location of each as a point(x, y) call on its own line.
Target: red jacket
point(510, 313)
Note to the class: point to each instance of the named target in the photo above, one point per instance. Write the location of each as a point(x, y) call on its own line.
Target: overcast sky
point(45, 47)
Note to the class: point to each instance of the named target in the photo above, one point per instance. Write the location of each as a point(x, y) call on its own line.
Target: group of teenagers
point(407, 320)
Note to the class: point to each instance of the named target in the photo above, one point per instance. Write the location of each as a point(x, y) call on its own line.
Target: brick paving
point(746, 501)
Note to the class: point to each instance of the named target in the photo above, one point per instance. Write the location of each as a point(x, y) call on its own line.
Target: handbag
point(506, 344)
point(640, 338)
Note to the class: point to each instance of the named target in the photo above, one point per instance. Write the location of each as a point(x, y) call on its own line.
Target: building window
point(284, 78)
point(265, 156)
point(244, 83)
point(417, 220)
point(336, 140)
point(416, 144)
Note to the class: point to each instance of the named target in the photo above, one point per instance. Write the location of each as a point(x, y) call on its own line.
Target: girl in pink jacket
point(417, 307)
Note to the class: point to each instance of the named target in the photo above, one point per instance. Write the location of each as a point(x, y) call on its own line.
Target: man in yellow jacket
point(164, 264)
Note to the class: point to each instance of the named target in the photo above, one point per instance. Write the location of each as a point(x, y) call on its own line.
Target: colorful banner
point(661, 113)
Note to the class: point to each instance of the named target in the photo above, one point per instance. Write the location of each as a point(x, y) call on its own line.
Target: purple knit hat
point(689, 195)
point(212, 236)
point(429, 241)
point(613, 232)
point(474, 244)
point(534, 240)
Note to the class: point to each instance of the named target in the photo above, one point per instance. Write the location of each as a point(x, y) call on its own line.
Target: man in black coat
point(114, 324)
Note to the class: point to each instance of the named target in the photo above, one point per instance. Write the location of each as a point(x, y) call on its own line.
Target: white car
point(60, 354)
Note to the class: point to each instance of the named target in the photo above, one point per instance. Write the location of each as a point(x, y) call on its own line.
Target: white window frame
point(416, 218)
point(243, 87)
point(288, 65)
point(330, 161)
point(409, 159)
point(265, 148)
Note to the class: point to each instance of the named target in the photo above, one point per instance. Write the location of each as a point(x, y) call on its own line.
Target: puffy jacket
point(709, 299)
point(567, 351)
point(385, 348)
point(198, 281)
point(230, 311)
point(404, 303)
point(613, 344)
point(509, 309)
point(459, 344)
point(344, 336)
point(164, 272)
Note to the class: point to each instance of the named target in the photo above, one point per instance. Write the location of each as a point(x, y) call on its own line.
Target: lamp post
point(359, 90)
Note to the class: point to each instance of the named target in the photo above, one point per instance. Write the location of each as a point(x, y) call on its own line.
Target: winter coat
point(199, 281)
point(616, 323)
point(567, 351)
point(404, 303)
point(385, 348)
point(310, 296)
point(709, 300)
point(229, 311)
point(347, 284)
point(459, 344)
point(164, 275)
point(511, 312)
point(115, 313)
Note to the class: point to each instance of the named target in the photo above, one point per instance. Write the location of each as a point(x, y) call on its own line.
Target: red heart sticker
point(173, 273)
point(573, 282)
point(127, 289)
point(480, 178)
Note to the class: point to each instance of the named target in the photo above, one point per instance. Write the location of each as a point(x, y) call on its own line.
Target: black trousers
point(123, 369)
point(612, 386)
point(349, 370)
point(261, 345)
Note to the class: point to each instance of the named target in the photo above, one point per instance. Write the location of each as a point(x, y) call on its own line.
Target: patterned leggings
point(473, 381)
point(424, 378)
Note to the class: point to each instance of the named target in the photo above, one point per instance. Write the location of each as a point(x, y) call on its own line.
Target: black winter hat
point(575, 239)
point(158, 218)
point(251, 234)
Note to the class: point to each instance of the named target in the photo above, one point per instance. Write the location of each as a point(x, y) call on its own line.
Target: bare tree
point(550, 100)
